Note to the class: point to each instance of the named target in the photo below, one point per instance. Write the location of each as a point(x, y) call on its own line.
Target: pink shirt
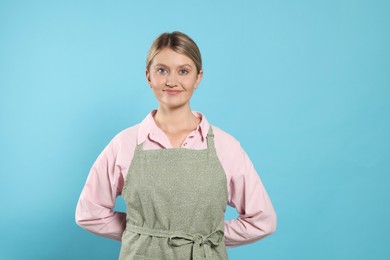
point(105, 182)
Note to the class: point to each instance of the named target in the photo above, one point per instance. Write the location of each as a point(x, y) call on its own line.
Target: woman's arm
point(94, 210)
point(246, 193)
point(257, 216)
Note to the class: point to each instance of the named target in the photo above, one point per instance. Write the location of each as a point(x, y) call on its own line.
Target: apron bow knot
point(206, 242)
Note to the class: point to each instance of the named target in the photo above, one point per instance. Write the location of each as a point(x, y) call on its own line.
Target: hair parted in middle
point(178, 42)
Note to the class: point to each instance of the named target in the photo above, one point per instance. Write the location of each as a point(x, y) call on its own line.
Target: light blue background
point(304, 86)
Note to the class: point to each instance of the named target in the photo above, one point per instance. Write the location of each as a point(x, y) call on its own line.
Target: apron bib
point(175, 202)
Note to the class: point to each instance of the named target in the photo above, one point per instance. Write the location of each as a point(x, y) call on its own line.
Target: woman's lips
point(172, 92)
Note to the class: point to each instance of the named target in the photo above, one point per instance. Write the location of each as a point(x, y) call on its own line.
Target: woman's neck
point(176, 120)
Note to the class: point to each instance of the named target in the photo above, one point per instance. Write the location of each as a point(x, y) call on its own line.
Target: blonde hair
point(178, 42)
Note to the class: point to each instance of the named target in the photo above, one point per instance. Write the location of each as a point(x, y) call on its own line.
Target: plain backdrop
point(303, 85)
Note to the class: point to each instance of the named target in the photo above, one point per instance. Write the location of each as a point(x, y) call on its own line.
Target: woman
point(176, 174)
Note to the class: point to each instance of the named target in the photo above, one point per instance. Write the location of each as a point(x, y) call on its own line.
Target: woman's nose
point(171, 81)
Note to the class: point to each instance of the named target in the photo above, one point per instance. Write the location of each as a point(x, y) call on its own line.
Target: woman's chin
point(174, 105)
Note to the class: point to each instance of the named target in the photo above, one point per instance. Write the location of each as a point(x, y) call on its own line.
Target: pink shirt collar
point(149, 129)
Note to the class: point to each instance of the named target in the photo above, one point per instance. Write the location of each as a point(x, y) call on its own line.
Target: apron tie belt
point(180, 239)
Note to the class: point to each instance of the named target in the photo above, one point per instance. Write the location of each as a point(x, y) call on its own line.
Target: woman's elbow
point(79, 221)
point(82, 219)
point(268, 227)
point(273, 224)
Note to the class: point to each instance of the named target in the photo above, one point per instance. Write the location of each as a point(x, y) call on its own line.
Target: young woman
point(176, 174)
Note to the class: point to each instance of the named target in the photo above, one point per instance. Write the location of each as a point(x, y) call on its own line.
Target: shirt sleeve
point(257, 217)
point(94, 211)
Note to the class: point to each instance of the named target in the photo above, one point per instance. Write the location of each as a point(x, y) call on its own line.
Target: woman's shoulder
point(229, 151)
point(223, 138)
point(127, 136)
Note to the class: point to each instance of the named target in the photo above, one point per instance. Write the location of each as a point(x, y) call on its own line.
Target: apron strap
point(210, 138)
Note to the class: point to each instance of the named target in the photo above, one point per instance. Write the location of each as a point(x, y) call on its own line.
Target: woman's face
point(173, 78)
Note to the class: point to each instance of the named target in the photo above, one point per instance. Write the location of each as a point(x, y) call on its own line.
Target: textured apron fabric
point(176, 200)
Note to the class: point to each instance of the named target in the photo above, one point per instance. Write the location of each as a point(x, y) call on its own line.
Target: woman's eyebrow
point(161, 64)
point(184, 65)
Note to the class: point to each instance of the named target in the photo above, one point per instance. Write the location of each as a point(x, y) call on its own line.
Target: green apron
point(176, 200)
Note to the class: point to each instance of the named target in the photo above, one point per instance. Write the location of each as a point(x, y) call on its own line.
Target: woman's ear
point(200, 76)
point(147, 74)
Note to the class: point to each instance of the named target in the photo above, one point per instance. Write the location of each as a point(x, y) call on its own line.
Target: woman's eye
point(183, 72)
point(161, 70)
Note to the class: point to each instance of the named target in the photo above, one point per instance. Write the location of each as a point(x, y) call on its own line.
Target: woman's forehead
point(170, 57)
